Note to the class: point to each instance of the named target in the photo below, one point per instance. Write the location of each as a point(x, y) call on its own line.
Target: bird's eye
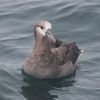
point(41, 27)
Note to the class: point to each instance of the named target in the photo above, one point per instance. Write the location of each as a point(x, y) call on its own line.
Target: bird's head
point(43, 29)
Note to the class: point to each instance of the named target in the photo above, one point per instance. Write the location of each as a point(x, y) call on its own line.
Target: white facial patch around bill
point(43, 33)
point(47, 26)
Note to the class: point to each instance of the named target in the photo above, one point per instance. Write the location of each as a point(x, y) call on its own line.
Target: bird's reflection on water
point(38, 89)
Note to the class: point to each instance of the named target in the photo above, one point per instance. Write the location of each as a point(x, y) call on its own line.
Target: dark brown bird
point(51, 58)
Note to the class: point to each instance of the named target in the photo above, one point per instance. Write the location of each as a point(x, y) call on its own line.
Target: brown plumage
point(50, 57)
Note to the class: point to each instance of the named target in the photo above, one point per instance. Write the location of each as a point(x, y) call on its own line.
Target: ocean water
point(73, 20)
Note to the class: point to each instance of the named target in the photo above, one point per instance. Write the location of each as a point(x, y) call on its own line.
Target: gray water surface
point(73, 20)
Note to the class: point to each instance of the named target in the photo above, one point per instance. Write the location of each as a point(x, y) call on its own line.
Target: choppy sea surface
point(73, 20)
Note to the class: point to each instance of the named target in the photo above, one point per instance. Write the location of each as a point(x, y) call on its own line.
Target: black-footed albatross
point(50, 57)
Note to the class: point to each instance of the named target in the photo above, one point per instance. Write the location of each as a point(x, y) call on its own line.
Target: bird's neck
point(41, 45)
